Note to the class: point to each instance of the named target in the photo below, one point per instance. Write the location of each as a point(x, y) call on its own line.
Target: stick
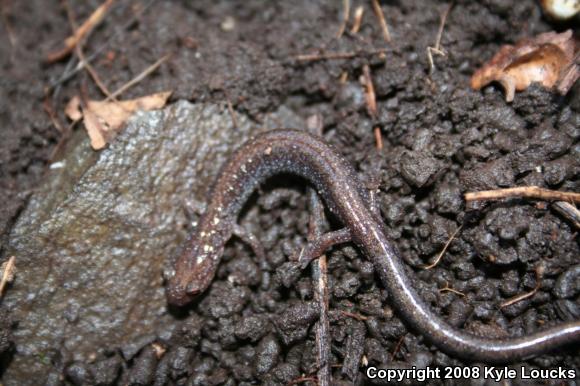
point(444, 249)
point(518, 298)
point(384, 27)
point(336, 55)
point(79, 51)
point(83, 31)
point(397, 347)
point(232, 113)
point(7, 25)
point(371, 101)
point(321, 295)
point(8, 269)
point(437, 48)
point(370, 96)
point(523, 191)
point(358, 15)
point(569, 211)
point(68, 73)
point(345, 16)
point(353, 315)
point(138, 78)
point(378, 138)
point(449, 289)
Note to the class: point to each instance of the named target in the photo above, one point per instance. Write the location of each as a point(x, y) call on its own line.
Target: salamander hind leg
point(315, 248)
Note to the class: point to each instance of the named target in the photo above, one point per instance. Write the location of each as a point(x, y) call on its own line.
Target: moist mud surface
point(441, 139)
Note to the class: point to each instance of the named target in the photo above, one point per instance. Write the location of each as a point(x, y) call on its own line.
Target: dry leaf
point(73, 109)
point(104, 119)
point(547, 59)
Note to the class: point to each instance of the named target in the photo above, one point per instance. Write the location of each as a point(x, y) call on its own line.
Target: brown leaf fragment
point(73, 109)
point(115, 114)
point(97, 133)
point(547, 59)
point(104, 119)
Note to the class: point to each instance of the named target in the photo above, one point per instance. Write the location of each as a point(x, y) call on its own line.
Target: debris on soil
point(540, 269)
point(8, 269)
point(381, 16)
point(569, 211)
point(561, 9)
point(437, 49)
point(547, 59)
point(345, 17)
point(523, 191)
point(71, 42)
point(358, 15)
point(104, 119)
point(440, 255)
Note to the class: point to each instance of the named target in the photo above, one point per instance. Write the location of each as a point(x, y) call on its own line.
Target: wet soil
point(441, 139)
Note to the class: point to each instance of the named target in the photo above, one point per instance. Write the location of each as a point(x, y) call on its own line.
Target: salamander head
point(190, 278)
point(180, 293)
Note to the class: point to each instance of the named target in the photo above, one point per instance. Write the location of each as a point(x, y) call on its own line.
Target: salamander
point(308, 156)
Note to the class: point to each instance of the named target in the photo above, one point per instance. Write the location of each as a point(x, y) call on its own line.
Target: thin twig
point(449, 289)
point(371, 101)
point(69, 73)
point(353, 315)
point(380, 15)
point(82, 32)
point(232, 113)
point(79, 52)
point(370, 96)
point(444, 249)
point(139, 77)
point(540, 268)
point(397, 347)
point(523, 191)
point(569, 211)
point(7, 25)
point(302, 380)
point(337, 55)
point(47, 106)
point(358, 15)
point(378, 138)
point(8, 270)
point(345, 17)
point(320, 279)
point(437, 48)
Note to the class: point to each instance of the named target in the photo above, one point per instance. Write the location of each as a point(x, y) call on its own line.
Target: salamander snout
point(179, 294)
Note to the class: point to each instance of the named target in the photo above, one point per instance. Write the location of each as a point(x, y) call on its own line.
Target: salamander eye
point(192, 289)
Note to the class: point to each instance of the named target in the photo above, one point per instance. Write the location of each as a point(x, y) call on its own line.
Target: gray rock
point(93, 242)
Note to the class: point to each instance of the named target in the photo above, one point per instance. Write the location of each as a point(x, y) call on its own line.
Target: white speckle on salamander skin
point(243, 168)
point(207, 248)
point(200, 259)
point(216, 220)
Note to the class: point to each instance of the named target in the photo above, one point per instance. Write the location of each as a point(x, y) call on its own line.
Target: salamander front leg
point(251, 240)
